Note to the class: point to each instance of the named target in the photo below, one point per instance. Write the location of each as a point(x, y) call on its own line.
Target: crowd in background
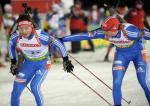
point(60, 22)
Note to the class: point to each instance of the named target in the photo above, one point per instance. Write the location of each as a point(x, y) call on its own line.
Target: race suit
point(35, 65)
point(128, 42)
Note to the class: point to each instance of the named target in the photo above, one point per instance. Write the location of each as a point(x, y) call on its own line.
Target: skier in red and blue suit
point(128, 41)
point(34, 45)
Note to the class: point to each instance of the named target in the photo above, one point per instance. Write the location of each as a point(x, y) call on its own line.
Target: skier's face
point(25, 30)
point(109, 34)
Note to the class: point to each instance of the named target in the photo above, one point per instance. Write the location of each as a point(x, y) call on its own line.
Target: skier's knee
point(117, 84)
point(118, 68)
point(15, 94)
point(20, 80)
point(34, 88)
point(143, 84)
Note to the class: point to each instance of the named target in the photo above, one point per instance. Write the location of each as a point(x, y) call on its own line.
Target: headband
point(22, 23)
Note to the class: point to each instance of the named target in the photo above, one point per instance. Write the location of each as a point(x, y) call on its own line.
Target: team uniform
point(128, 42)
point(35, 66)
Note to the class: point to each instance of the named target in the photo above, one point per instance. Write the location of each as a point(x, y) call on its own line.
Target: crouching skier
point(33, 44)
point(128, 41)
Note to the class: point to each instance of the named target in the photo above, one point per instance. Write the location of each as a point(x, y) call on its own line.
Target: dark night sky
point(88, 3)
point(129, 3)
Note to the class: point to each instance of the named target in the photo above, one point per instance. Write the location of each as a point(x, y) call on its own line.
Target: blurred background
point(65, 17)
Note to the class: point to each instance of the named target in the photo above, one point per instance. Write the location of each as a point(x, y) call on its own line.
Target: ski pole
point(91, 89)
point(29, 89)
point(97, 77)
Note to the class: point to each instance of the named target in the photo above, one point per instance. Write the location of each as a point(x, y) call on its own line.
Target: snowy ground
point(63, 89)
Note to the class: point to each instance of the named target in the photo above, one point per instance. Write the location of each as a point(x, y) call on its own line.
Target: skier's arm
point(46, 39)
point(61, 46)
point(12, 54)
point(146, 35)
point(84, 36)
point(12, 46)
point(134, 33)
point(66, 62)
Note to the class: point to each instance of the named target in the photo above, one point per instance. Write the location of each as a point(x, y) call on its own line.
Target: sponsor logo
point(140, 70)
point(29, 45)
point(39, 72)
point(122, 42)
point(20, 80)
point(118, 68)
point(118, 62)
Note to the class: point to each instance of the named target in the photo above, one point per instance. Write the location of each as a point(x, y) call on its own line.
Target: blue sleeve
point(84, 36)
point(147, 35)
point(12, 45)
point(133, 32)
point(46, 39)
point(61, 47)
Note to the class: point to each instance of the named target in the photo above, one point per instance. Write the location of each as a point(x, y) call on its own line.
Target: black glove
point(14, 67)
point(67, 65)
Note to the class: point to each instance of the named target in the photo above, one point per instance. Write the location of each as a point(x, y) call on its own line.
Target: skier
point(128, 41)
point(34, 45)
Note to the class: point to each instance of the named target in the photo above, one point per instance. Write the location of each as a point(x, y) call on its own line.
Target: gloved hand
point(67, 65)
point(14, 67)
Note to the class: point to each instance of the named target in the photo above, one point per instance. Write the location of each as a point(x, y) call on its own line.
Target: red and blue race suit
point(34, 69)
point(129, 47)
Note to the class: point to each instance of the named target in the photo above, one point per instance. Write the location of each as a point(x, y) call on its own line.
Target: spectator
point(136, 15)
point(8, 21)
point(3, 43)
point(36, 18)
point(76, 24)
point(94, 15)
